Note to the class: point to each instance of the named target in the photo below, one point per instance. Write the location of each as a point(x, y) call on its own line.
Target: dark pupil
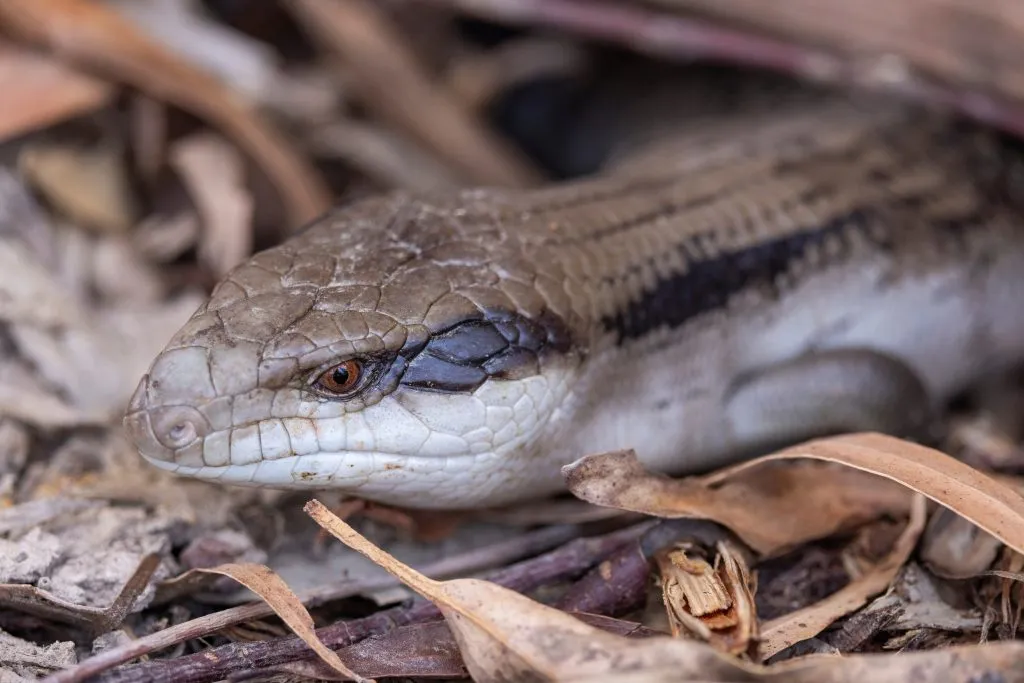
point(340, 376)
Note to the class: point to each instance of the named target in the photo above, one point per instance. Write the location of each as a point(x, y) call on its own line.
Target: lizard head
point(389, 351)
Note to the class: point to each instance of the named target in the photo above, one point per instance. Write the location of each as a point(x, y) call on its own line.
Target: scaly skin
point(503, 334)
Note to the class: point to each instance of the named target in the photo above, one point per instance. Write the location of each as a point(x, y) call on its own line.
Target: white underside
point(667, 402)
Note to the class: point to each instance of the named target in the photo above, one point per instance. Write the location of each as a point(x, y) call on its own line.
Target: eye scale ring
point(340, 379)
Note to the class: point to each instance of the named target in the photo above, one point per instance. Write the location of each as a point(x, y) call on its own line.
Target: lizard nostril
point(177, 426)
point(182, 433)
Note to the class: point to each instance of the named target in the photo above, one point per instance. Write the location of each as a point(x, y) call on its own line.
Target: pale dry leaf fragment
point(214, 173)
point(506, 636)
point(49, 604)
point(923, 604)
point(983, 438)
point(24, 398)
point(23, 219)
point(120, 276)
point(163, 238)
point(384, 155)
point(25, 658)
point(98, 363)
point(772, 509)
point(954, 548)
point(261, 580)
point(807, 622)
point(393, 83)
point(242, 63)
point(89, 185)
point(41, 512)
point(29, 293)
point(305, 95)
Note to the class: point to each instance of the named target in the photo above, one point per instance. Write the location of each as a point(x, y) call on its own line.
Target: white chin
point(408, 481)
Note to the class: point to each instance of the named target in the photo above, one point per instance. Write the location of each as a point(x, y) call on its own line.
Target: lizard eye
point(340, 379)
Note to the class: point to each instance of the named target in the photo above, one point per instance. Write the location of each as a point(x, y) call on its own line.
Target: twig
point(393, 84)
point(476, 560)
point(620, 582)
point(566, 562)
point(617, 584)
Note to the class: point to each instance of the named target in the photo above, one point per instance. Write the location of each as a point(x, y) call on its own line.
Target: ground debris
point(28, 661)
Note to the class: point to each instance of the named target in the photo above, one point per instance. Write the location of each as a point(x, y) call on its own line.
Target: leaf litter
point(506, 636)
point(148, 146)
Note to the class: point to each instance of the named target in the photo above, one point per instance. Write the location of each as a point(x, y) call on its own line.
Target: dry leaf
point(43, 603)
point(95, 37)
point(23, 220)
point(97, 364)
point(974, 495)
point(778, 634)
point(214, 173)
point(505, 636)
point(768, 507)
point(120, 276)
point(394, 84)
point(39, 91)
point(29, 293)
point(261, 580)
point(24, 398)
point(88, 184)
point(245, 64)
point(164, 238)
point(746, 497)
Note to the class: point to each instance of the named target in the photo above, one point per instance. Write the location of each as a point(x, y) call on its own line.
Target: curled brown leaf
point(773, 508)
point(766, 507)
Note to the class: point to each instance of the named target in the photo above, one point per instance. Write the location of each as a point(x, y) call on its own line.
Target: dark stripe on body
point(708, 285)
